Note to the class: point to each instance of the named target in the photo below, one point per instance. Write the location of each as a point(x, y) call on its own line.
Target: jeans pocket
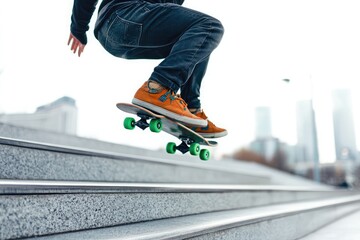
point(122, 32)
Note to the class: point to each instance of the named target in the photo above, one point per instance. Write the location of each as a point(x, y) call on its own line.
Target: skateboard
point(190, 140)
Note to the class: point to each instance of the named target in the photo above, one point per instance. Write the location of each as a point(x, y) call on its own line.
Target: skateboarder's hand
point(76, 45)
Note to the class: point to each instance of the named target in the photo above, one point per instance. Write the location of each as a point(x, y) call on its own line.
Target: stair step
point(280, 222)
point(31, 208)
point(27, 160)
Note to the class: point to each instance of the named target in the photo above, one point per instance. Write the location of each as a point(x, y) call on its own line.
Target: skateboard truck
point(155, 124)
point(188, 145)
point(142, 123)
point(183, 147)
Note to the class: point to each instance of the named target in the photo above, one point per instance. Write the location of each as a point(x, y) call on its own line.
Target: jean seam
point(194, 54)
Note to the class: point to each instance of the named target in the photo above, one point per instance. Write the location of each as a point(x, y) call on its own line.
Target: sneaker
point(167, 103)
point(210, 131)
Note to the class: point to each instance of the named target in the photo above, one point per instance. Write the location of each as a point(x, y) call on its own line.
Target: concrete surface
point(346, 228)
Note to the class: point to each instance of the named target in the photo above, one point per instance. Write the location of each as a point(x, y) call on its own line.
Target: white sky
point(315, 43)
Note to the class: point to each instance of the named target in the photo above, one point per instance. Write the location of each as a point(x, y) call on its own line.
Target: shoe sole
point(214, 135)
point(183, 119)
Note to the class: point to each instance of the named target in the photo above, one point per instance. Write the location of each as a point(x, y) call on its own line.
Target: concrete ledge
point(8, 187)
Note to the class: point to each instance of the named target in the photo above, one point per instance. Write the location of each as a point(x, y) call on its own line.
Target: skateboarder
point(157, 29)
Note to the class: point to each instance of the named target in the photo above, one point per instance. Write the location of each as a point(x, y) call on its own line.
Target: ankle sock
point(194, 110)
point(154, 87)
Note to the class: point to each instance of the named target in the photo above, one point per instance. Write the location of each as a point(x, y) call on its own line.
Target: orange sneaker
point(167, 103)
point(210, 131)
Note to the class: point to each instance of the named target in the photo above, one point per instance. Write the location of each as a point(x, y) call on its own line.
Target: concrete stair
point(280, 221)
point(38, 161)
point(63, 190)
point(36, 208)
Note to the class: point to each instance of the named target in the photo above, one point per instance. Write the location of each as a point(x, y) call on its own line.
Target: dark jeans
point(184, 38)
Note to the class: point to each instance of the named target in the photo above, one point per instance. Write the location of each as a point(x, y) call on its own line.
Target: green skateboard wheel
point(129, 123)
point(204, 154)
point(155, 125)
point(171, 148)
point(195, 149)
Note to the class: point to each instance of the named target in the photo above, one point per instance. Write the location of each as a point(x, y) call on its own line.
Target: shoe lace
point(173, 97)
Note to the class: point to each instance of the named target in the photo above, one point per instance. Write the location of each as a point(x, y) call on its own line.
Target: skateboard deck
point(190, 140)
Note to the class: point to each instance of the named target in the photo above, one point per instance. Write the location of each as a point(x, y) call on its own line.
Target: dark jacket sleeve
point(80, 18)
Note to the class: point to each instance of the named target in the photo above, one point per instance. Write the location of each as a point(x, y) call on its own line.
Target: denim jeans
point(182, 37)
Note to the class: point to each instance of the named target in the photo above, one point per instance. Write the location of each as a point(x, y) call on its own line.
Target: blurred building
point(263, 122)
point(59, 116)
point(266, 147)
point(306, 132)
point(344, 128)
point(270, 148)
point(304, 153)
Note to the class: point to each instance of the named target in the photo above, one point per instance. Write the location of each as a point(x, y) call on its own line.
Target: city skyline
point(344, 138)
